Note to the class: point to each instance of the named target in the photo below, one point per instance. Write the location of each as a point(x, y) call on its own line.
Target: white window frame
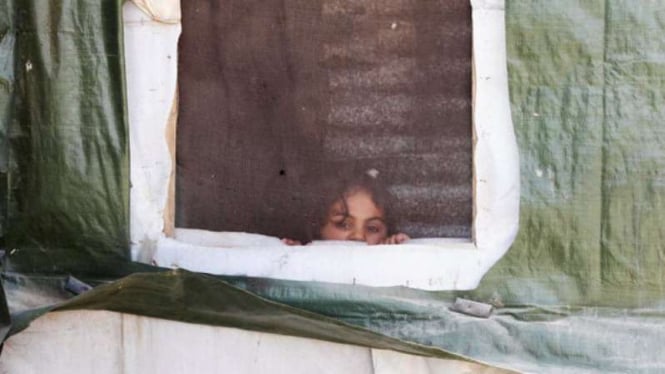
point(151, 36)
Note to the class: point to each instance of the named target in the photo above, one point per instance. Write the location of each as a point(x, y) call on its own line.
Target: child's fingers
point(396, 239)
point(401, 238)
point(288, 241)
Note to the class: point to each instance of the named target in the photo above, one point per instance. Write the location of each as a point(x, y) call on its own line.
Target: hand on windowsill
point(398, 238)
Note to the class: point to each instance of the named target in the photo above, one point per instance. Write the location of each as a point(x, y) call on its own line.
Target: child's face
point(362, 221)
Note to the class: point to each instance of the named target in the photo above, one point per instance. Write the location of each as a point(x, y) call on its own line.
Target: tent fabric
point(67, 205)
point(7, 41)
point(190, 297)
point(581, 289)
point(527, 338)
point(586, 86)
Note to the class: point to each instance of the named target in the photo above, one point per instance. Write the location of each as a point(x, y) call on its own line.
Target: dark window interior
point(272, 92)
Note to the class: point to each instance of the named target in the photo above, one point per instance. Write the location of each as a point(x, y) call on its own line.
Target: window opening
point(427, 263)
point(272, 93)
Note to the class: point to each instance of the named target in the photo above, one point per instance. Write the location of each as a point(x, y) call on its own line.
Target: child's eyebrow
point(339, 214)
point(377, 219)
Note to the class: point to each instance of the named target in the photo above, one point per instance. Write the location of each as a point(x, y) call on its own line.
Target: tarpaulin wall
point(6, 101)
point(65, 161)
point(585, 82)
point(587, 88)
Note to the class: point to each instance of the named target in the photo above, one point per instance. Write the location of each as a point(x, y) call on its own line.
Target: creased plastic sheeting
point(7, 39)
point(529, 338)
point(533, 339)
point(68, 194)
point(7, 42)
point(587, 93)
point(190, 297)
point(586, 88)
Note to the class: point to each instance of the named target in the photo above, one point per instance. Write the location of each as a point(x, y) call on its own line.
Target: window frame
point(431, 263)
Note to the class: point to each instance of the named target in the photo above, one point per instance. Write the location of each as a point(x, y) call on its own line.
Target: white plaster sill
point(422, 263)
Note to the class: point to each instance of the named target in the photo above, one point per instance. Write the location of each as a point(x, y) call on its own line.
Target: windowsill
point(431, 263)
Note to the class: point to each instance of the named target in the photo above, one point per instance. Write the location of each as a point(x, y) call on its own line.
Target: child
point(356, 208)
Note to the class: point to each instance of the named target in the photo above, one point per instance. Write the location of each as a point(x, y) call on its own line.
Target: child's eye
point(343, 225)
point(374, 229)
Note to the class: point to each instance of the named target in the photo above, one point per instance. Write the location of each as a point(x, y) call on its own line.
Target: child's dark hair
point(338, 185)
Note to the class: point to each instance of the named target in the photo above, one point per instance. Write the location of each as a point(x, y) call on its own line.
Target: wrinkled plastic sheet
point(191, 297)
point(530, 338)
point(581, 289)
point(7, 40)
point(66, 160)
point(586, 86)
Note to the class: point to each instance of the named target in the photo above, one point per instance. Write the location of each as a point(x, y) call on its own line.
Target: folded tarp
point(196, 298)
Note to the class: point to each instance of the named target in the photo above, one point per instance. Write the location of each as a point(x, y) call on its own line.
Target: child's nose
point(357, 234)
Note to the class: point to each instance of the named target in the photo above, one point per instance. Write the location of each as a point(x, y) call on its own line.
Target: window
point(429, 263)
point(272, 93)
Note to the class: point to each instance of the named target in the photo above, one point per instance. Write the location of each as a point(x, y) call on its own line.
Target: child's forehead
point(359, 199)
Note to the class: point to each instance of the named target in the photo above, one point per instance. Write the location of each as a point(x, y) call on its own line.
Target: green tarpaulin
point(67, 159)
point(586, 86)
point(581, 289)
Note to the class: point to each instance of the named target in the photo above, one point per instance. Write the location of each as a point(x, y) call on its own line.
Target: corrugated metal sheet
point(271, 91)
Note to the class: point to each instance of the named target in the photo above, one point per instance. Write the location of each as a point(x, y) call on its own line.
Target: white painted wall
point(151, 63)
point(103, 342)
point(433, 264)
